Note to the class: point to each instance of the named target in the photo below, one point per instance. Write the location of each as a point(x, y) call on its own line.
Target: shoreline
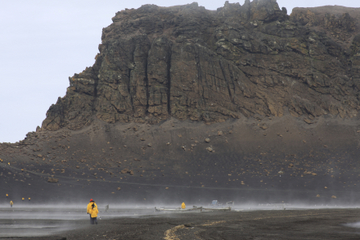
point(334, 223)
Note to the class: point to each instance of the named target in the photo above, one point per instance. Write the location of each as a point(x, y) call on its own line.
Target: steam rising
point(42, 220)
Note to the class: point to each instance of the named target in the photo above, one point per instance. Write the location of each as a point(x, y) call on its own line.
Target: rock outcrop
point(281, 93)
point(340, 23)
point(190, 63)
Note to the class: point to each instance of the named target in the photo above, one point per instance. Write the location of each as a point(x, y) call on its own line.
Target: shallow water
point(36, 221)
point(26, 228)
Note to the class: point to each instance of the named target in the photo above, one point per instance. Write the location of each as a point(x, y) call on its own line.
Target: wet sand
point(261, 224)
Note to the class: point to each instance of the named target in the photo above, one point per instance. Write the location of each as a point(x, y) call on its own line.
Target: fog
point(23, 220)
point(35, 220)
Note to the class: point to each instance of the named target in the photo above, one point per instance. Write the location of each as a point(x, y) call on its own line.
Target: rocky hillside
point(245, 102)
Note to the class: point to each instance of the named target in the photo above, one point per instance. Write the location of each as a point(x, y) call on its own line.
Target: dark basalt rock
point(190, 63)
point(244, 102)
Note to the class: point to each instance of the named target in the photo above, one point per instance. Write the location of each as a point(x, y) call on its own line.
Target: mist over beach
point(235, 123)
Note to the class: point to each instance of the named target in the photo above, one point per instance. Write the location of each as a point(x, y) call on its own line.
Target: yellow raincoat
point(89, 206)
point(94, 211)
point(183, 206)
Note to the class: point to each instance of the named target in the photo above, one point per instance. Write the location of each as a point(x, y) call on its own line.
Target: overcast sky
point(44, 42)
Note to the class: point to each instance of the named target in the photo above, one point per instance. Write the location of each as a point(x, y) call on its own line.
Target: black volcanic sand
point(286, 161)
point(284, 224)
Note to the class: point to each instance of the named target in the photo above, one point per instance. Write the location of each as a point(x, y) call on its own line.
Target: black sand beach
point(280, 224)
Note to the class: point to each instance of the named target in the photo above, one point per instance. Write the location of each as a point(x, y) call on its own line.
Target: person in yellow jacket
point(89, 207)
point(183, 206)
point(93, 213)
point(11, 203)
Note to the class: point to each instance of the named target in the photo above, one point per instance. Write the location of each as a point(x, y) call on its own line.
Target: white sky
point(44, 42)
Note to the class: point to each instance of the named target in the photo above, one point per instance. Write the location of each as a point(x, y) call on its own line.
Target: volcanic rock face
point(281, 92)
point(190, 63)
point(339, 23)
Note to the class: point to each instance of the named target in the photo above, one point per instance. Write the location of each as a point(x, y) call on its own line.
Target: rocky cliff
point(190, 63)
point(245, 102)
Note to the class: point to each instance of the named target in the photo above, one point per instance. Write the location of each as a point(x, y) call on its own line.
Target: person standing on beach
point(11, 203)
point(89, 207)
point(93, 213)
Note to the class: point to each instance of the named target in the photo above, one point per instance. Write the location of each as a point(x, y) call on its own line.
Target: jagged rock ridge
point(190, 63)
